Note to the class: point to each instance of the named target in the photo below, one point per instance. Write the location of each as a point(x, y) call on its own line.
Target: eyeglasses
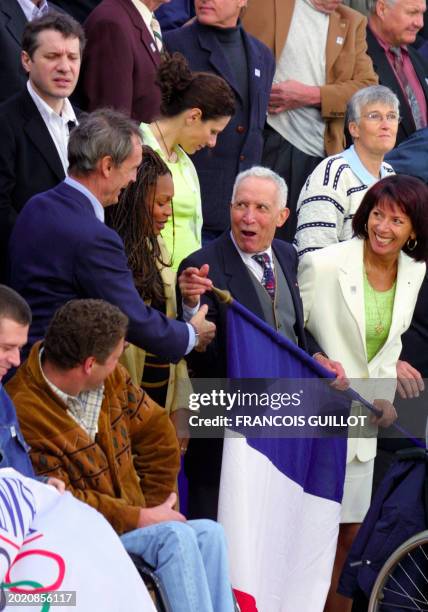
point(376, 117)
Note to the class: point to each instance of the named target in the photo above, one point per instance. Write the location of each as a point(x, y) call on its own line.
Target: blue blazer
point(411, 156)
point(60, 251)
point(240, 145)
point(174, 14)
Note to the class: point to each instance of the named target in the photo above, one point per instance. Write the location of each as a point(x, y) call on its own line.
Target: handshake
point(193, 283)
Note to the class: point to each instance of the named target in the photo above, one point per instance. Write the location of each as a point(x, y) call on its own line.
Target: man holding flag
point(279, 499)
point(259, 272)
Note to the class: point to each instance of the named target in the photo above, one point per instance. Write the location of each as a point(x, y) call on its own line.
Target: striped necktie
point(268, 280)
point(157, 33)
point(410, 94)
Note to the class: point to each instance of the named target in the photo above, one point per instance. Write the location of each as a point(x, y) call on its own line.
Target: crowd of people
point(151, 150)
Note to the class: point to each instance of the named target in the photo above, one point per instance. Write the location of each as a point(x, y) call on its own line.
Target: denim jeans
point(191, 561)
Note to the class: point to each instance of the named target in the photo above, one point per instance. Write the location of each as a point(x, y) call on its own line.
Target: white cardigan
point(327, 203)
point(332, 290)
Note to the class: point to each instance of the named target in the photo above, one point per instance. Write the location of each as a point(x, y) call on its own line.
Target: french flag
point(279, 497)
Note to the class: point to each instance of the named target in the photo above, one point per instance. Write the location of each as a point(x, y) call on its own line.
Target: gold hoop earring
point(411, 247)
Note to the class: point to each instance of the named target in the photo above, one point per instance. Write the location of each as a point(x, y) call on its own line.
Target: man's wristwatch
point(196, 336)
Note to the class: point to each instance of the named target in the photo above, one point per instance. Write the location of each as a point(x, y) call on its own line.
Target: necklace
point(379, 327)
point(171, 156)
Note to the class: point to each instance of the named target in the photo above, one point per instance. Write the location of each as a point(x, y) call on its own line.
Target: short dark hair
point(53, 20)
point(101, 133)
point(82, 329)
point(13, 306)
point(182, 89)
point(408, 193)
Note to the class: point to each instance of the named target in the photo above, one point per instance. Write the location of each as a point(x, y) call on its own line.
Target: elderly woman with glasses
point(336, 187)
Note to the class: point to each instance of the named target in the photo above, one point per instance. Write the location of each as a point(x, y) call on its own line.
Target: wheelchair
point(153, 584)
point(155, 587)
point(387, 567)
point(402, 583)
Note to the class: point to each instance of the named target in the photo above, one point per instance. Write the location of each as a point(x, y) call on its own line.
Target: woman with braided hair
point(195, 108)
point(141, 214)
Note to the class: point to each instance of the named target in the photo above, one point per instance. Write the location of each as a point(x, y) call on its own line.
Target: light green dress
point(184, 235)
point(378, 307)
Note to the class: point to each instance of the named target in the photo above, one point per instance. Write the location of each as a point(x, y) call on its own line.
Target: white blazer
point(332, 288)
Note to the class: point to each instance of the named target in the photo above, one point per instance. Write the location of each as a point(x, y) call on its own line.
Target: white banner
point(59, 554)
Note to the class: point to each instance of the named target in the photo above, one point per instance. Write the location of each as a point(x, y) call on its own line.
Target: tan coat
point(348, 67)
point(179, 386)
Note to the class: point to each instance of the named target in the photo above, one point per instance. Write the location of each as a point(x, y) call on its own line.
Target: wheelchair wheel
point(402, 583)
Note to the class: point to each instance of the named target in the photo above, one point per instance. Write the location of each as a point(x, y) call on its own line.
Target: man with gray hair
point(392, 29)
point(260, 272)
point(61, 249)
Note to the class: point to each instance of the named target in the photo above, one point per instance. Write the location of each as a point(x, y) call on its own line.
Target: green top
point(378, 306)
point(184, 235)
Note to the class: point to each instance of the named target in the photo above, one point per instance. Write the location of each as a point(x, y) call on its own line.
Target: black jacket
point(29, 160)
point(387, 77)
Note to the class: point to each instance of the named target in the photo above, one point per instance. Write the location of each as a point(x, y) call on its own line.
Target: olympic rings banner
point(56, 551)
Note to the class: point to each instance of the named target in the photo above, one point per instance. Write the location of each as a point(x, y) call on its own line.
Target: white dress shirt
point(252, 265)
point(56, 124)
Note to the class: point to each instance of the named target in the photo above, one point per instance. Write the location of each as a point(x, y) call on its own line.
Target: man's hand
point(160, 514)
point(193, 283)
point(290, 94)
point(388, 416)
point(409, 380)
point(326, 6)
point(57, 483)
point(205, 329)
point(341, 383)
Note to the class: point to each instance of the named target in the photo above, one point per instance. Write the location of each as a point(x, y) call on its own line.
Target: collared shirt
point(249, 262)
point(410, 73)
point(31, 11)
point(357, 167)
point(96, 204)
point(84, 408)
point(56, 124)
point(146, 15)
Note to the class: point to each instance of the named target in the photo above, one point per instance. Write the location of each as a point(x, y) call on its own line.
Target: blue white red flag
point(279, 498)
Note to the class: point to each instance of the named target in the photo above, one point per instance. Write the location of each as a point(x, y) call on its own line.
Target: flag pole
point(223, 295)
